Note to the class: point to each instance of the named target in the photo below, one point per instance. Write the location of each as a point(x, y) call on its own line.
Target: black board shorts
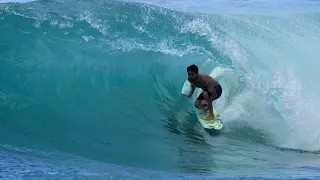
point(218, 92)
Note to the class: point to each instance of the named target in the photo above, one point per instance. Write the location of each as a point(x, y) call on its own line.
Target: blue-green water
point(92, 89)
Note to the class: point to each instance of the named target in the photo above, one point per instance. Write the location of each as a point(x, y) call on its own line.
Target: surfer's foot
point(210, 117)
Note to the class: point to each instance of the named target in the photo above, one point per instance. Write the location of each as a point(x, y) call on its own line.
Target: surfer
point(211, 90)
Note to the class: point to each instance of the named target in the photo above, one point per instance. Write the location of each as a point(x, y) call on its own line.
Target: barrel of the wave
point(215, 124)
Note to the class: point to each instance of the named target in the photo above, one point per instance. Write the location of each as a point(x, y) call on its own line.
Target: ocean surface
point(92, 89)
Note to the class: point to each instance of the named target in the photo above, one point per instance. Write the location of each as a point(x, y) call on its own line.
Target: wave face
point(102, 80)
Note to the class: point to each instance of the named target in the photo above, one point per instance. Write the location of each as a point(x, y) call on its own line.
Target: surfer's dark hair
point(193, 68)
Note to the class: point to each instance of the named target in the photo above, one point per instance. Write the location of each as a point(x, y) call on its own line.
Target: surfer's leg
point(216, 95)
point(206, 96)
point(198, 103)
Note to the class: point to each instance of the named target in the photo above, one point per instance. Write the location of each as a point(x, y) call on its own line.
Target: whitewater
point(92, 89)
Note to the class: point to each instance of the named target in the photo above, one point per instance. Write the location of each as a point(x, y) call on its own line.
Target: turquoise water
point(92, 89)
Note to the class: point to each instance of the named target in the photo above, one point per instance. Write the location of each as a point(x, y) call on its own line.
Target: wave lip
point(238, 7)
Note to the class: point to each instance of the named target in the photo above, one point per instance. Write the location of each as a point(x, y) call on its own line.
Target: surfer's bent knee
point(197, 104)
point(205, 94)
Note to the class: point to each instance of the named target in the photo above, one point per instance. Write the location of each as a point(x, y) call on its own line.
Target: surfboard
point(209, 124)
